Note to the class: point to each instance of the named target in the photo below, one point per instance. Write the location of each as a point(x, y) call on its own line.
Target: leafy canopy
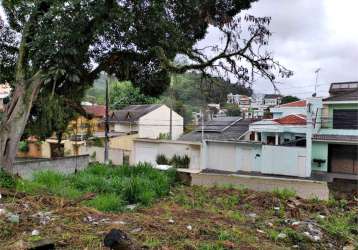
point(68, 44)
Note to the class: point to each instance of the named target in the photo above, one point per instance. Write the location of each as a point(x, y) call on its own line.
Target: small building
point(148, 121)
point(280, 131)
point(335, 145)
point(272, 100)
point(298, 107)
point(231, 128)
point(90, 124)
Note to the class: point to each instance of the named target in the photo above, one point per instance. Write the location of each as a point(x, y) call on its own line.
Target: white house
point(148, 121)
point(272, 100)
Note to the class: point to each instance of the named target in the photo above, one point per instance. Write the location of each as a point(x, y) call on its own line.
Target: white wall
point(284, 111)
point(147, 151)
point(124, 128)
point(283, 160)
point(97, 154)
point(158, 121)
point(233, 157)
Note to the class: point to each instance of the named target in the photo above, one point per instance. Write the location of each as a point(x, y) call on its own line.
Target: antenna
point(315, 86)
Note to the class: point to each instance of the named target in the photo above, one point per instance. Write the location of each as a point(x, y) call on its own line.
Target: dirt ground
point(190, 218)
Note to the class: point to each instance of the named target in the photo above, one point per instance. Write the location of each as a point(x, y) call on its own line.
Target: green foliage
point(178, 161)
point(162, 160)
point(6, 180)
point(115, 186)
point(23, 146)
point(232, 109)
point(163, 136)
point(123, 94)
point(289, 98)
point(284, 193)
point(342, 226)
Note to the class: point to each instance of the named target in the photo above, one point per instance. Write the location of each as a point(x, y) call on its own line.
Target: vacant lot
point(179, 218)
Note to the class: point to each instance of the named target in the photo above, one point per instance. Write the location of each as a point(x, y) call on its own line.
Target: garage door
point(344, 159)
point(145, 152)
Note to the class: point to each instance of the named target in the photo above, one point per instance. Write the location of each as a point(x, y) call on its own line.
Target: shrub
point(180, 161)
point(23, 146)
point(6, 180)
point(162, 160)
point(114, 186)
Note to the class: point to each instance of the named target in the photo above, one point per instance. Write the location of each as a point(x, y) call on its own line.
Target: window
point(345, 119)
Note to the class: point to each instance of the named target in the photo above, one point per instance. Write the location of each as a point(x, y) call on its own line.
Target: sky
point(308, 34)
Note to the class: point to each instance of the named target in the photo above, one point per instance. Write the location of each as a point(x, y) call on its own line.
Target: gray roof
point(132, 113)
point(221, 129)
point(340, 138)
point(342, 87)
point(349, 96)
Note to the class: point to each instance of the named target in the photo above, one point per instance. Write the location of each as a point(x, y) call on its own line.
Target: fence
point(97, 154)
point(67, 165)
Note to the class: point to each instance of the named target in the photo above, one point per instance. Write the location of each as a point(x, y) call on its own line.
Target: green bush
point(180, 161)
point(23, 146)
point(6, 180)
point(162, 160)
point(115, 186)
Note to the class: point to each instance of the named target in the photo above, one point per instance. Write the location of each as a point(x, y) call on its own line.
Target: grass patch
point(6, 180)
point(342, 226)
point(115, 186)
point(284, 193)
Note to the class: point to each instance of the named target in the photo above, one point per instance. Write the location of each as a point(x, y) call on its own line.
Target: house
point(272, 100)
point(220, 128)
point(147, 121)
point(191, 144)
point(89, 125)
point(297, 107)
point(280, 131)
point(233, 99)
point(335, 145)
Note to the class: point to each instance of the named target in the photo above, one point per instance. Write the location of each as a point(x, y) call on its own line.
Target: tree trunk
point(15, 119)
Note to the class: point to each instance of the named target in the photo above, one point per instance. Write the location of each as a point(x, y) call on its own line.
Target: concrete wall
point(97, 154)
point(65, 165)
point(158, 121)
point(283, 160)
point(124, 142)
point(284, 111)
point(233, 157)
point(304, 188)
point(147, 151)
point(320, 151)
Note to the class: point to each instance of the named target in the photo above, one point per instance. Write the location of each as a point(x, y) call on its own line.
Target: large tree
point(58, 48)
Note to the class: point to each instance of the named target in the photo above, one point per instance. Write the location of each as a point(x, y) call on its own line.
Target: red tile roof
point(292, 120)
point(96, 110)
point(301, 103)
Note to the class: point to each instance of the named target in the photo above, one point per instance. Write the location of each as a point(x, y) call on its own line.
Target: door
point(343, 159)
point(146, 152)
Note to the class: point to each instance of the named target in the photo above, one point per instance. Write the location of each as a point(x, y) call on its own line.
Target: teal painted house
point(335, 146)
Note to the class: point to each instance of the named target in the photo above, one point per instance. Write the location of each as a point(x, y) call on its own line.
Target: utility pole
point(106, 129)
point(315, 86)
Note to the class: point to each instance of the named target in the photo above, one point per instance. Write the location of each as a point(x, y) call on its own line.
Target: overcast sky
point(309, 34)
